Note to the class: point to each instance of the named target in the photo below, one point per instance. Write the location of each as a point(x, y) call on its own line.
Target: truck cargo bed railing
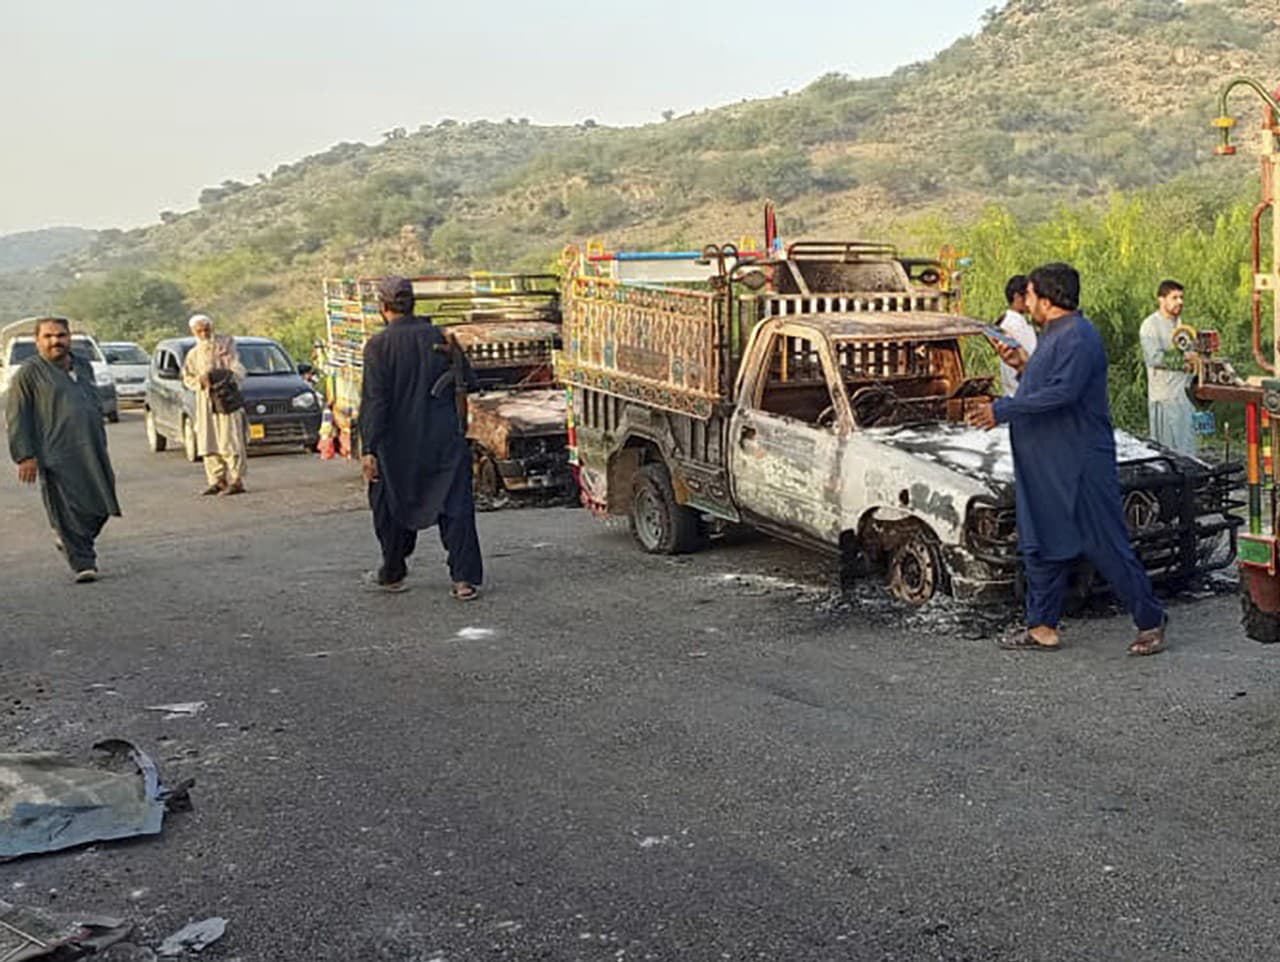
point(788, 305)
point(666, 347)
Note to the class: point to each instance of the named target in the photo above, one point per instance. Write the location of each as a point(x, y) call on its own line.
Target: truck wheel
point(915, 570)
point(1259, 625)
point(488, 481)
point(189, 448)
point(658, 522)
point(156, 442)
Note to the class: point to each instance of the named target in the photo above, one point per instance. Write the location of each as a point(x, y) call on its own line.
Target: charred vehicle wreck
point(509, 326)
point(821, 398)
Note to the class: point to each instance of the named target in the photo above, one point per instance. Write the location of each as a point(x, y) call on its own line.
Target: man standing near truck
point(1064, 464)
point(56, 434)
point(1014, 323)
point(416, 458)
point(1170, 413)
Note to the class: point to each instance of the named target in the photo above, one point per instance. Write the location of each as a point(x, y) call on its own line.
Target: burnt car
point(281, 408)
point(828, 408)
point(508, 325)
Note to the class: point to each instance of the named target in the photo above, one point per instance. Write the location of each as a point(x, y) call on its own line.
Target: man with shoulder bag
point(213, 370)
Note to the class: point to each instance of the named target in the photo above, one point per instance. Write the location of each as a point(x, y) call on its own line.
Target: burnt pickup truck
point(821, 398)
point(509, 327)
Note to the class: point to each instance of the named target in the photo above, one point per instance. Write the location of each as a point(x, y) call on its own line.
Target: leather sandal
point(1023, 641)
point(1152, 641)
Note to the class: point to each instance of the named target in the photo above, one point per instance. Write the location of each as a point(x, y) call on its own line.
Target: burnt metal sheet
point(502, 331)
point(27, 933)
point(494, 419)
point(48, 803)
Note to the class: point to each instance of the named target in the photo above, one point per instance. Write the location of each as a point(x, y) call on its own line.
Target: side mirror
point(304, 369)
point(167, 373)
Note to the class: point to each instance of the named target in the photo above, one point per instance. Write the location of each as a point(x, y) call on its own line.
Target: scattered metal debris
point(194, 937)
point(182, 709)
point(48, 804)
point(32, 934)
point(474, 634)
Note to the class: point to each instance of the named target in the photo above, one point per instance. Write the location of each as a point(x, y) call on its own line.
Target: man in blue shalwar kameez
point(1064, 458)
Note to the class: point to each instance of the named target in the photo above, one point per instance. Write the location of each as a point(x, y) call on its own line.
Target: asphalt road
point(615, 756)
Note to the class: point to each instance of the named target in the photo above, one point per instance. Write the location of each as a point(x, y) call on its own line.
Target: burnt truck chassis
point(1176, 519)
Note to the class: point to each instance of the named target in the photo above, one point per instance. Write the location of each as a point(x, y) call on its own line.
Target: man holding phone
point(1016, 328)
point(1064, 464)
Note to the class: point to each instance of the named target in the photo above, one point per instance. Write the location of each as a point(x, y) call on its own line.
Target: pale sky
point(118, 109)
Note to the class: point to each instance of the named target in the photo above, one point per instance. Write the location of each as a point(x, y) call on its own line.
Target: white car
point(18, 343)
point(129, 366)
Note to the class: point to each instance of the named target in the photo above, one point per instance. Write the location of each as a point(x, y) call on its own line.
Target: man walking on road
point(1015, 324)
point(56, 434)
point(1064, 462)
point(213, 370)
point(1169, 408)
point(416, 458)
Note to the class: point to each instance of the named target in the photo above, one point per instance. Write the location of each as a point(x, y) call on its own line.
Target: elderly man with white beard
point(213, 370)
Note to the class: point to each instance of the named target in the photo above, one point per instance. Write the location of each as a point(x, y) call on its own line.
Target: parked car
point(281, 408)
point(129, 364)
point(18, 343)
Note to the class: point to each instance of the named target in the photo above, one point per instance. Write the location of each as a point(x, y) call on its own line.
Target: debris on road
point(182, 709)
point(474, 634)
point(32, 934)
point(47, 803)
point(194, 937)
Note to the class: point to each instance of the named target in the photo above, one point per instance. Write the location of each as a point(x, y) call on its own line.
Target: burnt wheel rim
point(487, 481)
point(914, 575)
point(647, 513)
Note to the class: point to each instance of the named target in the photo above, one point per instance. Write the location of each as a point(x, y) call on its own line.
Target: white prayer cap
point(198, 319)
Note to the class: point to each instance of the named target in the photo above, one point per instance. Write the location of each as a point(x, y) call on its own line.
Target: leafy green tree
point(128, 305)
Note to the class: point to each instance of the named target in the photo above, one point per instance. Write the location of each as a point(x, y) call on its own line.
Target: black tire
point(114, 416)
point(659, 524)
point(915, 572)
point(156, 442)
point(1258, 624)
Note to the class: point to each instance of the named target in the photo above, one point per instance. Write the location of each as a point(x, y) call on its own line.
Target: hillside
point(35, 249)
point(1052, 101)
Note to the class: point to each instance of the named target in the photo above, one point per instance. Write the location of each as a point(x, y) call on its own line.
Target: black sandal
point(1024, 641)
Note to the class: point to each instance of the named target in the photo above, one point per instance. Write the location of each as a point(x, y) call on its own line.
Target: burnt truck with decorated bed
point(509, 327)
point(820, 397)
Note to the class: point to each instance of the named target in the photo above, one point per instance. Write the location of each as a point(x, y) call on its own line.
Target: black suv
point(281, 408)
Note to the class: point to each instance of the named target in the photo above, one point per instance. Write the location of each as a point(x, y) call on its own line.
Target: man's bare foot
point(1045, 636)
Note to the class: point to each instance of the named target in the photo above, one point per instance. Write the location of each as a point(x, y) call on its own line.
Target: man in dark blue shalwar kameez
point(416, 457)
point(1064, 458)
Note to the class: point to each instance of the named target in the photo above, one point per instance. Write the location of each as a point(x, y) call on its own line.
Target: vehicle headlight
point(103, 377)
point(304, 401)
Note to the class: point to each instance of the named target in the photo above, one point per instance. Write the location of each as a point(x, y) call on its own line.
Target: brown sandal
point(1023, 641)
point(462, 591)
point(1152, 641)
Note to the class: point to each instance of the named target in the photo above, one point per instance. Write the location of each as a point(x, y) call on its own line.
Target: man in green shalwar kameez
point(56, 434)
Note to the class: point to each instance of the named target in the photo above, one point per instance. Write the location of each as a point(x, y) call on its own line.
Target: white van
point(18, 343)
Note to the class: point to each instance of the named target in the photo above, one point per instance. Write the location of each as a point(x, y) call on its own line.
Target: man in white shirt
point(1015, 324)
point(1169, 407)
